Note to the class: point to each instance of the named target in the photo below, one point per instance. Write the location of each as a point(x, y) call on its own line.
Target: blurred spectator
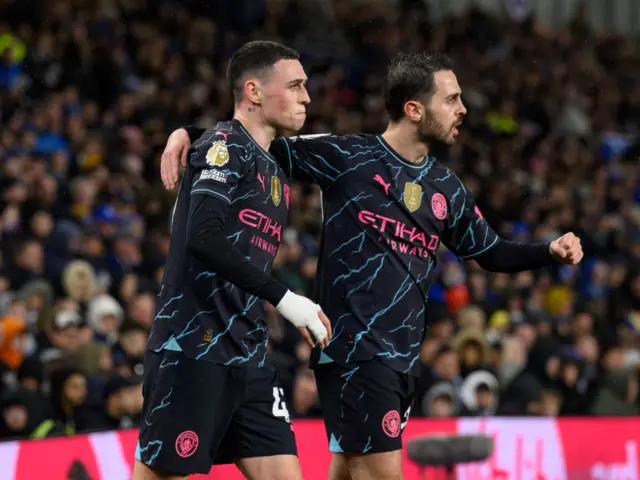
point(440, 401)
point(23, 415)
point(619, 394)
point(93, 358)
point(122, 404)
point(472, 351)
point(105, 316)
point(443, 371)
point(128, 353)
point(60, 332)
point(68, 395)
point(31, 374)
point(12, 327)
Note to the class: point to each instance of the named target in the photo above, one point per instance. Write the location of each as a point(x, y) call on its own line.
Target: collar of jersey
point(398, 157)
point(238, 124)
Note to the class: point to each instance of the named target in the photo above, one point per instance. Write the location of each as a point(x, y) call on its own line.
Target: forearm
point(206, 242)
point(512, 257)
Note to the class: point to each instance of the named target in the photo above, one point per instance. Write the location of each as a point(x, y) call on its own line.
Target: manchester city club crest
point(276, 195)
point(412, 196)
point(218, 155)
point(439, 206)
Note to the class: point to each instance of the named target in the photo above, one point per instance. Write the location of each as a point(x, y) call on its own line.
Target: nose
point(463, 109)
point(305, 99)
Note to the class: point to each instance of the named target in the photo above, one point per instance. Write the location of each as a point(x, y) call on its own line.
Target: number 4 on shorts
point(279, 405)
point(405, 419)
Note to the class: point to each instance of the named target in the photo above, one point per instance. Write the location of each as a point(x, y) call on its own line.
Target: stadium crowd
point(89, 92)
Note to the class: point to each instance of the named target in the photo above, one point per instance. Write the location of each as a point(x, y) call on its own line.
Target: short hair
point(483, 387)
point(255, 58)
point(410, 76)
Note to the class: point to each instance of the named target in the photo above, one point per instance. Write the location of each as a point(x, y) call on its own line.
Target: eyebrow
point(298, 81)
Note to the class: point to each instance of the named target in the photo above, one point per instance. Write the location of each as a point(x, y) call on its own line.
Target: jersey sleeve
point(319, 159)
point(219, 162)
point(467, 234)
point(194, 132)
point(207, 242)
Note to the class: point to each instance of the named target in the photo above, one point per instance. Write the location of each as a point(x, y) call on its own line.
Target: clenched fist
point(567, 249)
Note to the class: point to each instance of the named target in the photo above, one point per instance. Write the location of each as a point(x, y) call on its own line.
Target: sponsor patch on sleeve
point(216, 175)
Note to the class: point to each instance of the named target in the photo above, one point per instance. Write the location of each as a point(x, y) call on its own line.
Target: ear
point(252, 90)
point(413, 110)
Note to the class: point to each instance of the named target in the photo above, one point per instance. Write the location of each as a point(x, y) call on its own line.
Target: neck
point(66, 407)
point(113, 409)
point(406, 142)
point(262, 133)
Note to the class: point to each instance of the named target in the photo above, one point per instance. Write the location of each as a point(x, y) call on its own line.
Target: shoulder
point(334, 140)
point(224, 133)
point(329, 144)
point(220, 145)
point(360, 139)
point(445, 180)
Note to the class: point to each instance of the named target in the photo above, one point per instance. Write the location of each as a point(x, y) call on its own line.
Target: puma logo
point(384, 184)
point(224, 134)
point(261, 180)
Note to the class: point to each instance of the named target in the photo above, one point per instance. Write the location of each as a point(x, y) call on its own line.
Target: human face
point(75, 389)
point(16, 417)
point(285, 96)
point(441, 407)
point(444, 112)
point(484, 399)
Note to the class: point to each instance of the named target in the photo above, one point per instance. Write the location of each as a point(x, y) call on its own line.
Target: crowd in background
point(89, 92)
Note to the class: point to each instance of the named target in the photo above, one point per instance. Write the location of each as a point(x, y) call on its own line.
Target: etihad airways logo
point(407, 240)
point(261, 222)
